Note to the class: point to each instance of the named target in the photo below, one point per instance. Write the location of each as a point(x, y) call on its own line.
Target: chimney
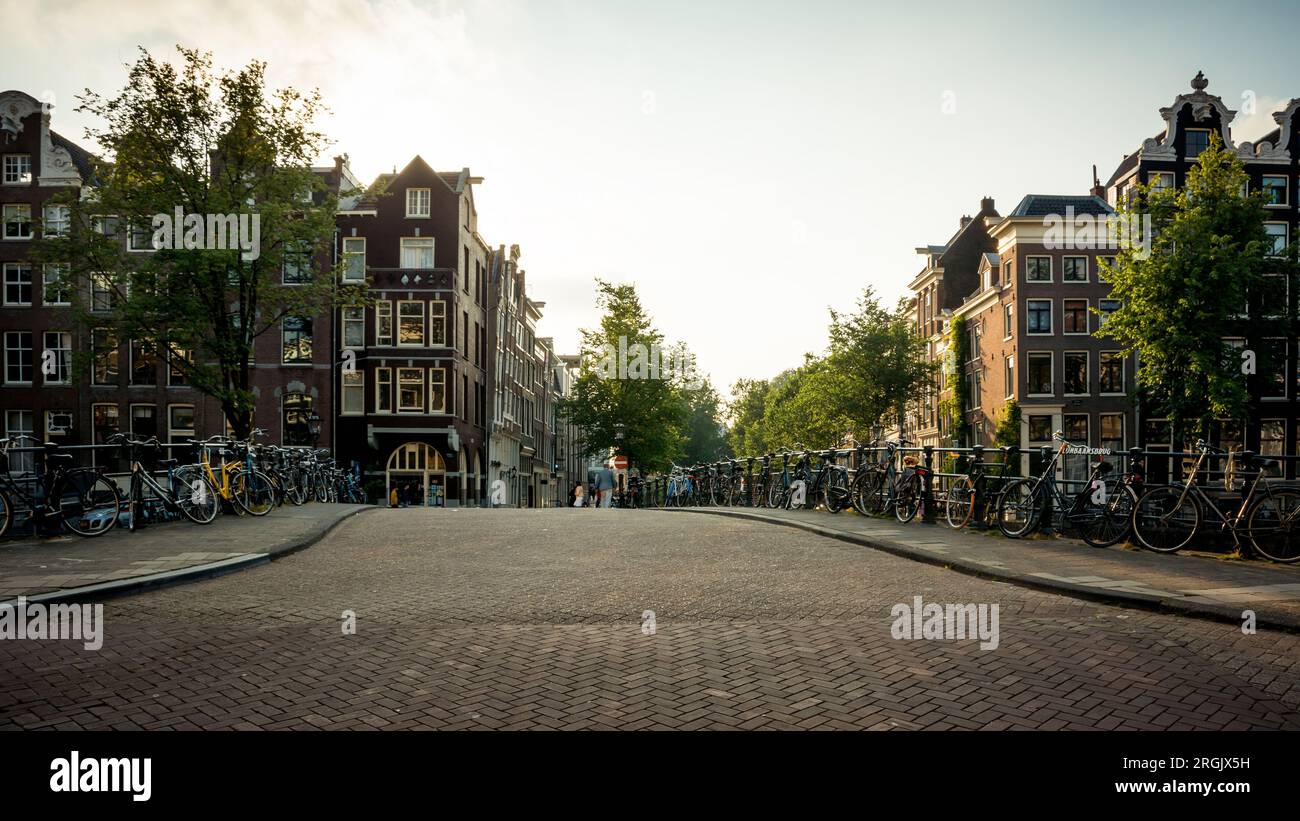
point(965, 221)
point(986, 204)
point(1097, 190)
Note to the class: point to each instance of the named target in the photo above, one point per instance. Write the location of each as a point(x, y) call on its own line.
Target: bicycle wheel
point(135, 504)
point(1274, 526)
point(908, 500)
point(1112, 521)
point(775, 492)
point(89, 503)
point(252, 492)
point(6, 514)
point(960, 504)
point(1166, 518)
point(860, 492)
point(837, 490)
point(1020, 507)
point(195, 495)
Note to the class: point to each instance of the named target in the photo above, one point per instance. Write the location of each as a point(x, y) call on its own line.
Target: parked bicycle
point(83, 500)
point(186, 490)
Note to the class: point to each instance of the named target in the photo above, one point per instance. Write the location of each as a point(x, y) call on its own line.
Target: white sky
point(745, 163)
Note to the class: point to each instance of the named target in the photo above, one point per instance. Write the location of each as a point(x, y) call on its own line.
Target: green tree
point(705, 435)
point(1007, 432)
point(620, 401)
point(1208, 252)
point(746, 433)
point(186, 139)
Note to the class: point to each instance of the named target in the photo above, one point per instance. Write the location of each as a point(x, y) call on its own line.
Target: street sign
point(620, 463)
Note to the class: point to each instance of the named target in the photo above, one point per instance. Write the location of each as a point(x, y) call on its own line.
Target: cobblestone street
point(536, 621)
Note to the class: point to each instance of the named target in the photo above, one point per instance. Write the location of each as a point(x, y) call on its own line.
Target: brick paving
point(1184, 580)
point(510, 619)
point(33, 566)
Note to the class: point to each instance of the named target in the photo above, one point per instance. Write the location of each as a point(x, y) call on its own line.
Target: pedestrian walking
point(392, 496)
point(605, 485)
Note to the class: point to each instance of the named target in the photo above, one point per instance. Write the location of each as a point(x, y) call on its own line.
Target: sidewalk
point(69, 566)
point(1201, 585)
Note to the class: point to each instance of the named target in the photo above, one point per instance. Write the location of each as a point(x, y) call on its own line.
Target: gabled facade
point(413, 411)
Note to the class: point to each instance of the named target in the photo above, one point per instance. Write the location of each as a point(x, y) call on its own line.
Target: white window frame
point(13, 161)
point(1051, 360)
point(383, 340)
point(1186, 131)
point(62, 223)
point(358, 318)
point(424, 327)
point(130, 241)
point(95, 354)
point(1087, 317)
point(1087, 373)
point(16, 268)
point(21, 462)
point(416, 242)
point(130, 371)
point(352, 384)
point(17, 348)
point(1008, 320)
point(442, 372)
point(418, 212)
point(437, 310)
point(384, 382)
point(422, 392)
point(62, 356)
point(1051, 320)
point(1123, 374)
point(16, 208)
point(1009, 375)
point(130, 419)
point(1051, 272)
point(1101, 429)
point(1282, 445)
point(347, 259)
point(1286, 237)
point(57, 269)
point(298, 363)
point(189, 432)
point(1087, 275)
point(93, 416)
point(1152, 176)
point(1286, 189)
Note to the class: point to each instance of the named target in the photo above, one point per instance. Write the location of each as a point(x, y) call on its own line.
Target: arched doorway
point(419, 464)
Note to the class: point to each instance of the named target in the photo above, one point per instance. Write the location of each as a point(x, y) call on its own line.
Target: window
point(1106, 307)
point(437, 390)
point(59, 344)
point(295, 412)
point(180, 422)
point(1008, 320)
point(1074, 269)
point(354, 259)
point(1075, 428)
point(21, 423)
point(410, 324)
point(1040, 373)
point(58, 422)
point(102, 294)
point(383, 323)
point(18, 221)
point(354, 327)
point(417, 202)
point(1272, 368)
point(18, 284)
point(1275, 190)
point(1111, 372)
point(438, 323)
point(1112, 431)
point(295, 339)
point(1272, 296)
point(1161, 180)
point(1106, 264)
point(18, 357)
point(354, 393)
point(464, 333)
point(1040, 428)
point(103, 347)
point(1006, 272)
point(1198, 139)
point(410, 390)
point(1074, 319)
point(1076, 372)
point(297, 263)
point(54, 285)
point(417, 253)
point(144, 421)
point(383, 390)
point(58, 221)
point(1039, 316)
point(1009, 377)
point(1076, 465)
point(180, 361)
point(1038, 269)
point(1277, 236)
point(1272, 437)
point(18, 169)
point(141, 237)
point(105, 226)
point(106, 421)
point(144, 364)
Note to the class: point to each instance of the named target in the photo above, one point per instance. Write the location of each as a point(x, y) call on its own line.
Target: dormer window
point(1198, 139)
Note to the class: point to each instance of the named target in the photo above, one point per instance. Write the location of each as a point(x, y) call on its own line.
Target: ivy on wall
point(953, 406)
